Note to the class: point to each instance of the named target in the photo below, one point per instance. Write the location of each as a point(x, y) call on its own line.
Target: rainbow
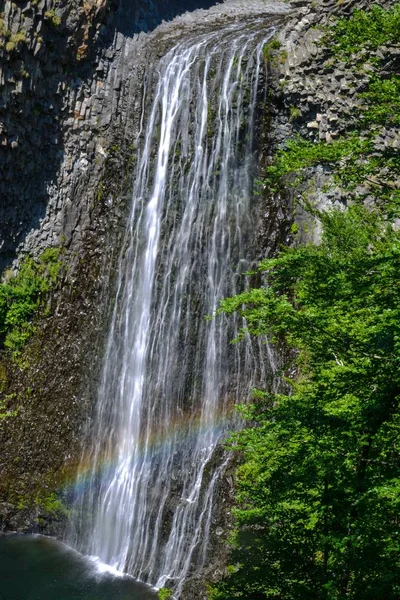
point(179, 432)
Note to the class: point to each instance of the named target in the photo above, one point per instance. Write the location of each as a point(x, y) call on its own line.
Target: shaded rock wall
point(66, 69)
point(44, 77)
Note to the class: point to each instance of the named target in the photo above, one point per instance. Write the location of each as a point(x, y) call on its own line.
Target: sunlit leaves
point(321, 464)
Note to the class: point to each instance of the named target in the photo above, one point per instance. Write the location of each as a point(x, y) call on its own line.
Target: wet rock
point(70, 108)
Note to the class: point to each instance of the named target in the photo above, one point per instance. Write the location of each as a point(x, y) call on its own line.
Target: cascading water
point(170, 376)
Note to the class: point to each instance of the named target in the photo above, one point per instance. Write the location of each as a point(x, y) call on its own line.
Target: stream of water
point(149, 474)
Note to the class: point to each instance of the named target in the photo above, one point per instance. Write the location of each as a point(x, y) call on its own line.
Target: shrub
point(15, 41)
point(21, 296)
point(367, 29)
point(52, 17)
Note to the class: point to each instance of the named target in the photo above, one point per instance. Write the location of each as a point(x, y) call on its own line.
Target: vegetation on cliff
point(22, 294)
point(318, 488)
point(365, 158)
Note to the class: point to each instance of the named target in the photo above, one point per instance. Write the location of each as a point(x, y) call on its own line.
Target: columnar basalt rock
point(45, 79)
point(66, 71)
point(317, 100)
point(71, 101)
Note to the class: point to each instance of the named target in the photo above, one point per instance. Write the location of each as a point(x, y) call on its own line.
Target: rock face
point(46, 80)
point(66, 69)
point(70, 107)
point(71, 96)
point(312, 99)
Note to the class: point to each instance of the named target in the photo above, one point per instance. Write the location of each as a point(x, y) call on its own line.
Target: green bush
point(366, 30)
point(382, 101)
point(21, 296)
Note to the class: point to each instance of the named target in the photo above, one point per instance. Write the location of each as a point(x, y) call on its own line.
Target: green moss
point(5, 33)
point(271, 54)
point(21, 503)
point(52, 17)
point(3, 377)
point(51, 504)
point(100, 191)
point(164, 594)
point(294, 112)
point(5, 411)
point(15, 41)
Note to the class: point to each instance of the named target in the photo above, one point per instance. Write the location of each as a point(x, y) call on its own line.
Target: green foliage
point(295, 113)
point(301, 154)
point(318, 490)
point(270, 48)
point(354, 159)
point(382, 102)
point(52, 17)
point(51, 504)
point(22, 295)
point(15, 41)
point(164, 594)
point(366, 30)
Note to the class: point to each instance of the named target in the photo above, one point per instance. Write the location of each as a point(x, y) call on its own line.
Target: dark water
point(39, 568)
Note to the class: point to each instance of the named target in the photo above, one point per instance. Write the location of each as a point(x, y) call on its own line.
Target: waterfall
point(150, 471)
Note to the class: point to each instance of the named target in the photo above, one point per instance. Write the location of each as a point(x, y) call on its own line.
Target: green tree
point(319, 489)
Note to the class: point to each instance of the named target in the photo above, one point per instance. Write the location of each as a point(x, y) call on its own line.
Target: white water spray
point(170, 377)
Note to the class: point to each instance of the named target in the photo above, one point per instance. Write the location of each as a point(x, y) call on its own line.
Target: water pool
point(34, 567)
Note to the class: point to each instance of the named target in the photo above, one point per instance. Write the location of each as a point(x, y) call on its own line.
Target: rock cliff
point(72, 95)
point(70, 110)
